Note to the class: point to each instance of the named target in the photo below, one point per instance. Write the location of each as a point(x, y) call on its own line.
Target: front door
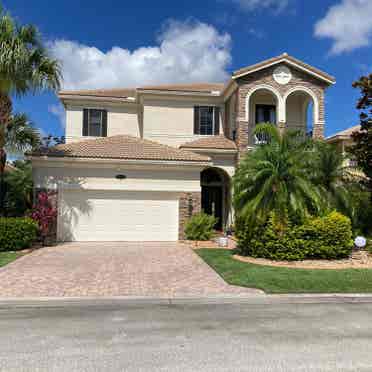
point(211, 203)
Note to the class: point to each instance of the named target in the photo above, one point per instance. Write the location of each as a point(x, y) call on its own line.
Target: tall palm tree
point(273, 178)
point(25, 66)
point(20, 135)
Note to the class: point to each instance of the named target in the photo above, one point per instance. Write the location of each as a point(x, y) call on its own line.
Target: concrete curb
point(62, 302)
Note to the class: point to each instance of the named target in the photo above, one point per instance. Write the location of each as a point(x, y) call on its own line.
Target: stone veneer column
point(189, 204)
point(53, 197)
point(242, 137)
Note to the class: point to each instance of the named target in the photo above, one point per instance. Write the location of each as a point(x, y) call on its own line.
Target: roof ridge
point(289, 58)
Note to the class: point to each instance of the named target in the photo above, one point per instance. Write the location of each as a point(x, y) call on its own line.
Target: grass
point(7, 257)
point(286, 280)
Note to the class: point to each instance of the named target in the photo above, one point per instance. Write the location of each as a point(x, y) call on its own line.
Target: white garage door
point(117, 216)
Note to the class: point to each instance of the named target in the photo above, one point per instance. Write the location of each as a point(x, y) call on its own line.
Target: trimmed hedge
point(200, 227)
point(328, 237)
point(17, 233)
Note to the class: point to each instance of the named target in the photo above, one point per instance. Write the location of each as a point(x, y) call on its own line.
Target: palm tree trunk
point(5, 112)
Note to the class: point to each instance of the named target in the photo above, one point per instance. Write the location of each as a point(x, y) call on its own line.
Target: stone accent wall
point(51, 238)
point(265, 76)
point(189, 204)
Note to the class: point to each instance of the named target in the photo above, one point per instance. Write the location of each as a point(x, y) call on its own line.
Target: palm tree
point(25, 66)
point(18, 198)
point(20, 136)
point(332, 177)
point(274, 178)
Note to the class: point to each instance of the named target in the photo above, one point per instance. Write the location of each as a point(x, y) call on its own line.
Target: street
point(187, 336)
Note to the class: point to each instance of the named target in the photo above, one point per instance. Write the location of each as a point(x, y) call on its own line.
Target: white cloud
point(348, 23)
point(59, 111)
point(188, 51)
point(250, 5)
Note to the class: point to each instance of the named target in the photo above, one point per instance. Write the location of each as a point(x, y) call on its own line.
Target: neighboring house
point(138, 163)
point(9, 168)
point(343, 140)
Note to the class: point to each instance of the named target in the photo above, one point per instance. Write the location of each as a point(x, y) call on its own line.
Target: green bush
point(269, 241)
point(17, 233)
point(200, 227)
point(328, 237)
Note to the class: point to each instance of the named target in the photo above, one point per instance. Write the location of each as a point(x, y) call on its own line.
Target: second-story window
point(206, 120)
point(94, 123)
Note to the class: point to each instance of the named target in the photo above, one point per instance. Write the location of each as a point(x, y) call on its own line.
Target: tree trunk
point(5, 112)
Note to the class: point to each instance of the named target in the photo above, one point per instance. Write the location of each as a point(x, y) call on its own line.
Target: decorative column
point(319, 120)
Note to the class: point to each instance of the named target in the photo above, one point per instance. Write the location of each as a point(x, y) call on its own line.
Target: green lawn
point(286, 280)
point(7, 257)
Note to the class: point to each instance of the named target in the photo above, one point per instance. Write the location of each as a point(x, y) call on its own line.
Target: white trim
point(50, 159)
point(212, 150)
point(311, 94)
point(284, 59)
point(178, 93)
point(280, 110)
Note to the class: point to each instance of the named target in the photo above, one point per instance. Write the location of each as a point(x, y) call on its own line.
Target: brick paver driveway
point(113, 269)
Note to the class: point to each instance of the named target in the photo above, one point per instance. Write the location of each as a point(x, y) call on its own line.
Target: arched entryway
point(302, 109)
point(263, 105)
point(215, 198)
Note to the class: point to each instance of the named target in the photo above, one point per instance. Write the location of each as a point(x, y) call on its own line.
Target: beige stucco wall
point(85, 176)
point(120, 120)
point(171, 121)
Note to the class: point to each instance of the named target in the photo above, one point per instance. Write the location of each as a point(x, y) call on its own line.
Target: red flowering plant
point(44, 213)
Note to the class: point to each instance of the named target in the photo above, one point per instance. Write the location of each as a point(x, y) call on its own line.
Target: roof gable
point(285, 58)
point(211, 142)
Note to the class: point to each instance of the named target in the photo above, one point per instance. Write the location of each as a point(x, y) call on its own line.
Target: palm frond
point(20, 135)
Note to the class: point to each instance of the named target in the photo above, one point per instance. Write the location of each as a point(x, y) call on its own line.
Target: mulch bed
point(358, 260)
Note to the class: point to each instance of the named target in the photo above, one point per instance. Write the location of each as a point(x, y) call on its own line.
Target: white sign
point(360, 241)
point(282, 75)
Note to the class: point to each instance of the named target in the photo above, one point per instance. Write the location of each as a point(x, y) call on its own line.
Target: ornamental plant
point(44, 213)
point(200, 227)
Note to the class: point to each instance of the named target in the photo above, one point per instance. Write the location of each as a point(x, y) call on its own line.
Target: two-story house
point(138, 163)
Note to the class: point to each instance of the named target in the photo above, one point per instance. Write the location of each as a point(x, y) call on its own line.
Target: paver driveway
point(113, 269)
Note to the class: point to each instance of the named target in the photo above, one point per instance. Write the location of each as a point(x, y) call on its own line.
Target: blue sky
point(119, 44)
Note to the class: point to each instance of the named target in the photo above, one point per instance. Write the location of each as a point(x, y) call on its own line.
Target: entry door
point(212, 203)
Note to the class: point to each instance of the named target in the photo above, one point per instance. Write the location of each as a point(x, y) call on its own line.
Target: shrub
point(200, 227)
point(270, 241)
point(17, 233)
point(328, 237)
point(369, 245)
point(44, 213)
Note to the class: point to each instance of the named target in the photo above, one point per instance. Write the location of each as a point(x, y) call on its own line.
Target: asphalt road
point(188, 337)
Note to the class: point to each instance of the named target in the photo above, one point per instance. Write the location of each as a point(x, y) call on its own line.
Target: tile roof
point(287, 57)
point(120, 147)
point(9, 168)
point(211, 142)
point(114, 93)
point(195, 87)
point(125, 93)
point(346, 132)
